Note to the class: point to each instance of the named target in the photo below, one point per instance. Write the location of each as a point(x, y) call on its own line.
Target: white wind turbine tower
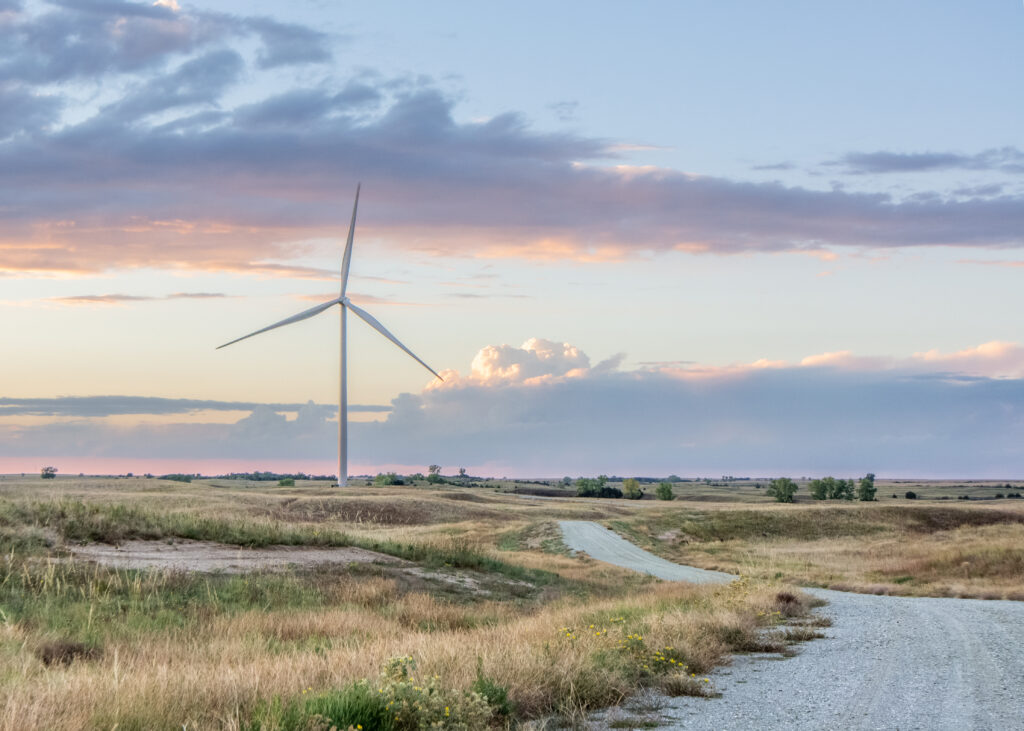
point(343, 302)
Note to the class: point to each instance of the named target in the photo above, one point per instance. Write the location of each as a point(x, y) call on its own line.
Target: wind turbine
point(342, 301)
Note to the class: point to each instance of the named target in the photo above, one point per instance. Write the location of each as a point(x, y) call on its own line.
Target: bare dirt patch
point(207, 557)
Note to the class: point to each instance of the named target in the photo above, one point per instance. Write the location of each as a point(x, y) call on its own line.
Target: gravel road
point(608, 546)
point(888, 663)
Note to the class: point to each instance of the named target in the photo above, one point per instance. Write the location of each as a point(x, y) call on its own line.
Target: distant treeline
point(273, 476)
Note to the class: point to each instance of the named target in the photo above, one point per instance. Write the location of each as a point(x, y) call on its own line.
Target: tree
point(631, 488)
point(866, 490)
point(783, 489)
point(596, 487)
point(911, 495)
point(589, 486)
point(843, 490)
point(829, 488)
point(462, 471)
point(48, 473)
point(435, 474)
point(664, 491)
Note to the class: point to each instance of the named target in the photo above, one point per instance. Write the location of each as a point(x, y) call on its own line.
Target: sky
point(675, 237)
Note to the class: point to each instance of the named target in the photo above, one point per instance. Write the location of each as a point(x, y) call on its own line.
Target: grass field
point(474, 615)
point(484, 620)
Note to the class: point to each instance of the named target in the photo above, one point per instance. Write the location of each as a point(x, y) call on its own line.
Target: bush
point(177, 477)
point(631, 489)
point(48, 473)
point(664, 491)
point(783, 489)
point(389, 478)
point(286, 482)
point(911, 495)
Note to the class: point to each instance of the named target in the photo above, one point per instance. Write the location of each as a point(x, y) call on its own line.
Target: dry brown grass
point(213, 677)
point(937, 549)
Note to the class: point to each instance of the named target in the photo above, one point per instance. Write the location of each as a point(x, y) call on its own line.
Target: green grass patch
point(92, 604)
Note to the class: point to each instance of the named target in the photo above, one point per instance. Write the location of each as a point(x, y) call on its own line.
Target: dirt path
point(202, 556)
point(889, 663)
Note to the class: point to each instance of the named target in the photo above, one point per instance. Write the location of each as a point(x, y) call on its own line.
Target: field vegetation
point(924, 548)
point(475, 613)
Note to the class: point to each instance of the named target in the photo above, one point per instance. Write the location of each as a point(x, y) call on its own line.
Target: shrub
point(631, 489)
point(286, 482)
point(48, 473)
point(664, 491)
point(911, 495)
point(783, 489)
point(389, 478)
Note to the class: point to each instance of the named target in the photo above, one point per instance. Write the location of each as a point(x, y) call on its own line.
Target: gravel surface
point(888, 663)
point(605, 545)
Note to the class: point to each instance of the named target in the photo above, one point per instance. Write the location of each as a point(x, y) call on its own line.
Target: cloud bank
point(542, 409)
point(173, 173)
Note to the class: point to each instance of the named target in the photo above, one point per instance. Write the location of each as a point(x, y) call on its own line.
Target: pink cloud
point(536, 361)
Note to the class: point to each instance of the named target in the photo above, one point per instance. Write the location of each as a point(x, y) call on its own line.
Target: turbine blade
point(347, 258)
point(288, 320)
point(372, 322)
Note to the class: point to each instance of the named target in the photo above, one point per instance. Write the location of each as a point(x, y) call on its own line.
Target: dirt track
point(203, 556)
point(888, 663)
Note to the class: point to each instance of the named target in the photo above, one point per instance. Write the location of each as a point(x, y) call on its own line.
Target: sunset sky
point(664, 237)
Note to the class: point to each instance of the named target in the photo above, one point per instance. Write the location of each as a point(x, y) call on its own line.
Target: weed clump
point(65, 652)
point(397, 701)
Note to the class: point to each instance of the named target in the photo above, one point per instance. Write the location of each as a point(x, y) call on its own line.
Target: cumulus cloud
point(538, 360)
point(930, 414)
point(519, 412)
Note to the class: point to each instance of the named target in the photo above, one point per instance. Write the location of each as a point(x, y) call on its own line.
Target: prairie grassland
point(965, 549)
point(86, 646)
